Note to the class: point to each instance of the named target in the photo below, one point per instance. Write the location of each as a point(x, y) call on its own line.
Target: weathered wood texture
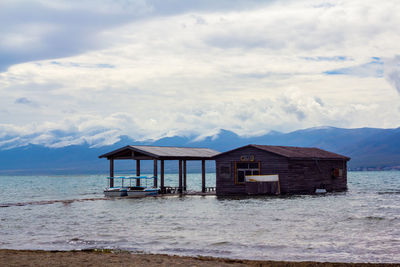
point(307, 175)
point(262, 188)
point(155, 173)
point(203, 176)
point(270, 164)
point(162, 175)
point(180, 177)
point(137, 172)
point(184, 175)
point(111, 172)
point(295, 176)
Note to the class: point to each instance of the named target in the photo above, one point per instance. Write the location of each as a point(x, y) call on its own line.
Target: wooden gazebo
point(161, 153)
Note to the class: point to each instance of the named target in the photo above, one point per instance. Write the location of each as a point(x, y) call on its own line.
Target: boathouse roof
point(161, 152)
point(294, 152)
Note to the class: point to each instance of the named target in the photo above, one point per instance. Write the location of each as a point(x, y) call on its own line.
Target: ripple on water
point(374, 218)
point(359, 225)
point(221, 243)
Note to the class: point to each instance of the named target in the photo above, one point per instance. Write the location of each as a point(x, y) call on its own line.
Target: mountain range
point(369, 149)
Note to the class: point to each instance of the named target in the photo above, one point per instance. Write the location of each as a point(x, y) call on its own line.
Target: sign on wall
point(247, 158)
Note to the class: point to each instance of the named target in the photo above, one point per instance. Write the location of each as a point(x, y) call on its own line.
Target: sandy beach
point(124, 258)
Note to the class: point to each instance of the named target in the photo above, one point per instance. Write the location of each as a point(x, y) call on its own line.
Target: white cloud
point(45, 29)
point(194, 70)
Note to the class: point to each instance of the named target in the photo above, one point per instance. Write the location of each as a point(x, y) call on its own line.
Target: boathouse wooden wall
point(270, 164)
point(307, 175)
point(296, 176)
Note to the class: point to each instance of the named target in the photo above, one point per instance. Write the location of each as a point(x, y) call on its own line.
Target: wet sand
point(124, 258)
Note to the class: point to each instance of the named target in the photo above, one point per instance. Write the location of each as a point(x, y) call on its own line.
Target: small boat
point(130, 190)
point(139, 191)
point(115, 192)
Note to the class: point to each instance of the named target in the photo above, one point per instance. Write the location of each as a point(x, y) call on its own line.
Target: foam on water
point(360, 225)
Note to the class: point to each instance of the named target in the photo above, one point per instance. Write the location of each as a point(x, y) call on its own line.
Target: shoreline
point(105, 257)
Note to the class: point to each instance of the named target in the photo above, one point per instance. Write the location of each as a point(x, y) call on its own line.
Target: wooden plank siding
point(307, 175)
point(269, 164)
point(297, 176)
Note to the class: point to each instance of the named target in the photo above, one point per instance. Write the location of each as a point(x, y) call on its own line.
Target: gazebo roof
point(161, 152)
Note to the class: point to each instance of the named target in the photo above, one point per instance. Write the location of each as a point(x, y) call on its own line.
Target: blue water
point(360, 225)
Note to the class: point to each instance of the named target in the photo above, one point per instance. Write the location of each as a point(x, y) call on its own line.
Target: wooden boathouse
point(296, 170)
point(161, 154)
point(247, 170)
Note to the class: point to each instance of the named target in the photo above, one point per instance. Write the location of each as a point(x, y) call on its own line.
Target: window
point(337, 173)
point(245, 168)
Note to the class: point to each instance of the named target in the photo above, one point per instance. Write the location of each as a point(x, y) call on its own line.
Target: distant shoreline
point(125, 258)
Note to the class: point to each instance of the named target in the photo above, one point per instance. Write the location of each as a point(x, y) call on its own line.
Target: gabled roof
point(161, 152)
point(294, 152)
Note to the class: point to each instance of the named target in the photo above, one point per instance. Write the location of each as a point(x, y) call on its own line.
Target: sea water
point(360, 225)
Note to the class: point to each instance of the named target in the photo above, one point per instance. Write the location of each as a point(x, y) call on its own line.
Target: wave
point(389, 193)
point(46, 202)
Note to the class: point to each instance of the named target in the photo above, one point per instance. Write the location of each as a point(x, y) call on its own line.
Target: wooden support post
point(203, 176)
point(111, 172)
point(184, 175)
point(279, 187)
point(155, 173)
point(137, 172)
point(180, 176)
point(162, 177)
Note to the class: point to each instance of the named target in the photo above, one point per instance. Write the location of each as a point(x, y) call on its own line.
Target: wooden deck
point(191, 193)
point(171, 191)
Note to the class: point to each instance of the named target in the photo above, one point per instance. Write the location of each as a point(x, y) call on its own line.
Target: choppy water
point(361, 225)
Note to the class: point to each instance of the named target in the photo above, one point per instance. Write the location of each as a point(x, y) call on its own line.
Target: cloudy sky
point(90, 70)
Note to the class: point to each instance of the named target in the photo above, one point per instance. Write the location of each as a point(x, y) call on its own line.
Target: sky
point(89, 71)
